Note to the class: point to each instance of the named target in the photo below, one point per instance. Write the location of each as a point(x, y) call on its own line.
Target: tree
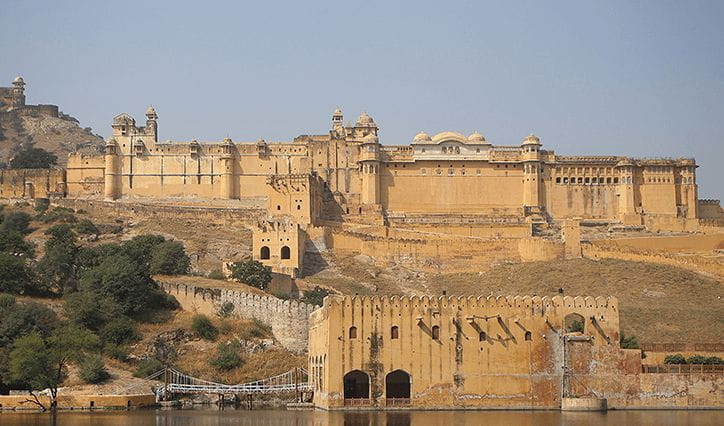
point(14, 274)
point(119, 331)
point(12, 241)
point(57, 267)
point(315, 296)
point(87, 309)
point(122, 280)
point(33, 158)
point(19, 319)
point(16, 221)
point(85, 226)
point(140, 247)
point(252, 273)
point(43, 363)
point(169, 258)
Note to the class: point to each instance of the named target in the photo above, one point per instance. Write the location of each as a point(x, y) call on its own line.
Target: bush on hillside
point(16, 221)
point(202, 326)
point(119, 331)
point(315, 296)
point(85, 226)
point(674, 359)
point(92, 369)
point(33, 158)
point(227, 357)
point(147, 366)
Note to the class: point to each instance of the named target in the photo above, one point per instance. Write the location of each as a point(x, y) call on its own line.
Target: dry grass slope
point(658, 303)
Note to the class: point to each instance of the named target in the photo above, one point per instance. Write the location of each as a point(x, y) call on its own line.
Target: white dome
point(476, 137)
point(422, 137)
point(365, 120)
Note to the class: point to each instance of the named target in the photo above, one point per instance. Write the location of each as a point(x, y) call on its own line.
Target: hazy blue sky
point(604, 77)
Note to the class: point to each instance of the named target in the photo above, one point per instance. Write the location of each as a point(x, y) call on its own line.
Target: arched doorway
point(397, 384)
point(574, 323)
point(264, 253)
point(356, 385)
point(286, 253)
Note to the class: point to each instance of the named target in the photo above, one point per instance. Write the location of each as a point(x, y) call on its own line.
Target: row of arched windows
point(284, 253)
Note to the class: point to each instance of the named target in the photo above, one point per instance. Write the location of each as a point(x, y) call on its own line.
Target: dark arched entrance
point(356, 385)
point(264, 253)
point(286, 253)
point(397, 384)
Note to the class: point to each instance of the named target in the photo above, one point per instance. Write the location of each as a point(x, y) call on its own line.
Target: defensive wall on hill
point(288, 319)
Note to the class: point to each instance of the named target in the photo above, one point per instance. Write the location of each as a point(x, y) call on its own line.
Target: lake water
point(207, 417)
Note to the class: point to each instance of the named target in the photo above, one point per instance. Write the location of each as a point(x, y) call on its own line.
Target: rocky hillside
point(60, 136)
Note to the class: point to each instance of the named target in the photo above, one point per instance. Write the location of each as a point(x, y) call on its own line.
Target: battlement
point(529, 305)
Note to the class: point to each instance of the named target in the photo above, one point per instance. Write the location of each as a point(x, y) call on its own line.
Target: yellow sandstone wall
point(32, 183)
point(18, 402)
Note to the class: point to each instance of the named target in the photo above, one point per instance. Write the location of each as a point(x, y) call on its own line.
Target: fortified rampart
point(606, 249)
point(288, 319)
point(32, 183)
point(471, 251)
point(515, 352)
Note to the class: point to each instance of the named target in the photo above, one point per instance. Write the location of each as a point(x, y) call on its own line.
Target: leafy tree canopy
point(33, 158)
point(14, 274)
point(169, 258)
point(16, 221)
point(252, 273)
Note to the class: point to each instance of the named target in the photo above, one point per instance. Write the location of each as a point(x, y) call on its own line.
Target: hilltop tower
point(369, 161)
point(228, 189)
point(18, 92)
point(532, 171)
point(112, 185)
point(625, 192)
point(152, 123)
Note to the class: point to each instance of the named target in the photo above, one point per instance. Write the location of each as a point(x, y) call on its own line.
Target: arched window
point(574, 323)
point(397, 384)
point(286, 253)
point(353, 332)
point(394, 332)
point(444, 150)
point(356, 385)
point(279, 207)
point(528, 336)
point(436, 332)
point(482, 336)
point(264, 254)
point(457, 150)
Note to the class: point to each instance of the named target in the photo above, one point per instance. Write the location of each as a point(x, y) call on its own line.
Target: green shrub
point(57, 214)
point(256, 329)
point(6, 301)
point(202, 326)
point(147, 366)
point(12, 241)
point(114, 351)
point(227, 357)
point(714, 360)
point(85, 226)
point(33, 158)
point(169, 258)
point(217, 274)
point(14, 274)
point(226, 309)
point(252, 273)
point(119, 331)
point(629, 342)
point(92, 369)
point(315, 296)
point(282, 295)
point(696, 359)
point(575, 327)
point(41, 206)
point(16, 221)
point(674, 359)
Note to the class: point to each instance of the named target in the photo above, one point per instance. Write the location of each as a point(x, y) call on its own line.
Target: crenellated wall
point(504, 352)
point(288, 319)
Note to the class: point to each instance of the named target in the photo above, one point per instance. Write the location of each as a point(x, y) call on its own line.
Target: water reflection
point(208, 417)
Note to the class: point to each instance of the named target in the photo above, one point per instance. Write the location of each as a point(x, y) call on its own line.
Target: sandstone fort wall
point(288, 319)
